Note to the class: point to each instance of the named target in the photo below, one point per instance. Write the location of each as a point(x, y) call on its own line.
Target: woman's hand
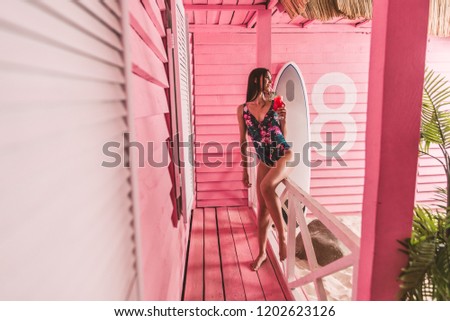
point(282, 113)
point(245, 179)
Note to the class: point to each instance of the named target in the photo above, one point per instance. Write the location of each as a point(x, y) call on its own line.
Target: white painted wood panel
point(181, 84)
point(66, 222)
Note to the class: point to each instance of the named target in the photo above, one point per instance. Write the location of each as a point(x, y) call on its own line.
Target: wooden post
point(264, 39)
point(397, 59)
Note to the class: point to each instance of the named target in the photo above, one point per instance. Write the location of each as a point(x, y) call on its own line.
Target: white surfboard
point(289, 84)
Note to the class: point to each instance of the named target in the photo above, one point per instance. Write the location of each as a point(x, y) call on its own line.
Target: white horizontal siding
point(66, 229)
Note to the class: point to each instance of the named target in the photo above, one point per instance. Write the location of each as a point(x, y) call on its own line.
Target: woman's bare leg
point(273, 203)
point(263, 218)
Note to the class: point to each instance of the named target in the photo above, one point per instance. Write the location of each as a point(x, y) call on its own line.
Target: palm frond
point(435, 126)
point(421, 260)
point(427, 276)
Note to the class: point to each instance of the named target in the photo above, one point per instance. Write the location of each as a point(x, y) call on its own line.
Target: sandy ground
point(338, 286)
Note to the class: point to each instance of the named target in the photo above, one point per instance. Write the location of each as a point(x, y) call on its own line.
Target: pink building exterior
point(95, 70)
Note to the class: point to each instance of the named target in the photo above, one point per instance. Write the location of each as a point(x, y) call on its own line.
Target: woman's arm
point(243, 144)
point(283, 126)
point(242, 135)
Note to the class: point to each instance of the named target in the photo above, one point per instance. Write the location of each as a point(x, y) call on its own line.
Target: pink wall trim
point(395, 95)
point(264, 38)
point(164, 238)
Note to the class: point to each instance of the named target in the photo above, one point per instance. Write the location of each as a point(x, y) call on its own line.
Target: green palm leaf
point(435, 126)
point(427, 275)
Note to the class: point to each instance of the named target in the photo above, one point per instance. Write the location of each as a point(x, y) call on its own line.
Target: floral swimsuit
point(267, 137)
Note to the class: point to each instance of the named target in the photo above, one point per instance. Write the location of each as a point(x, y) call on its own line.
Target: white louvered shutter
point(66, 228)
point(181, 107)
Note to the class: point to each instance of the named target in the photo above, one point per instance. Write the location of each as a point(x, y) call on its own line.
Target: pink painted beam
point(270, 6)
point(264, 39)
point(399, 37)
point(221, 7)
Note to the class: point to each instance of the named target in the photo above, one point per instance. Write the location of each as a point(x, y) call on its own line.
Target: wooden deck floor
point(223, 243)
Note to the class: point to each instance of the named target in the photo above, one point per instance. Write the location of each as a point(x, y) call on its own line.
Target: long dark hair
point(255, 83)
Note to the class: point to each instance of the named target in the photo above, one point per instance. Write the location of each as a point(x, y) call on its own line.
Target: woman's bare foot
point(258, 262)
point(283, 250)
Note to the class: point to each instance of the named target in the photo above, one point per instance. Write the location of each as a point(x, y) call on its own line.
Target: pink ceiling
point(242, 17)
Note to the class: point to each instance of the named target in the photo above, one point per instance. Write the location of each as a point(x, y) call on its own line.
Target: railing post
point(292, 221)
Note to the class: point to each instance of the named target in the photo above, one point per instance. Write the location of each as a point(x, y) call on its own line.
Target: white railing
point(297, 201)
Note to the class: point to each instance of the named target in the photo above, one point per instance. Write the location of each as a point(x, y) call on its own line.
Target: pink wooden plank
point(232, 280)
point(155, 15)
point(346, 208)
point(344, 172)
point(333, 191)
point(149, 99)
point(161, 4)
point(432, 170)
point(201, 49)
point(431, 179)
point(213, 16)
point(429, 187)
point(232, 69)
point(152, 129)
point(331, 57)
point(269, 282)
point(224, 167)
point(225, 16)
point(222, 119)
point(337, 181)
point(218, 177)
point(229, 185)
point(148, 33)
point(225, 202)
point(200, 16)
point(222, 139)
point(146, 63)
point(213, 273)
point(350, 155)
point(252, 284)
point(215, 148)
point(240, 16)
point(219, 88)
point(338, 199)
point(221, 195)
point(194, 273)
point(207, 129)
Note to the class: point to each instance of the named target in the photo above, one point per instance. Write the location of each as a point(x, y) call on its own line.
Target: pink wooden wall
point(222, 64)
point(163, 237)
point(430, 172)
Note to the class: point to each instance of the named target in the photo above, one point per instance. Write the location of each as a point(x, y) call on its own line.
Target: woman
point(267, 128)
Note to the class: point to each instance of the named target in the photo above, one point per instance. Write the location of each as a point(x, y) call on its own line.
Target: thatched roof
point(328, 9)
point(439, 22)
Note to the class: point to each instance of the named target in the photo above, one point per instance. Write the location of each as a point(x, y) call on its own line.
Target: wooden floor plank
point(213, 273)
point(252, 285)
point(232, 280)
point(223, 243)
point(194, 274)
point(269, 281)
point(279, 273)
